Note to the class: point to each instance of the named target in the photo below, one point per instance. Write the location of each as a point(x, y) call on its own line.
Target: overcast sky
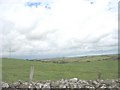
point(58, 28)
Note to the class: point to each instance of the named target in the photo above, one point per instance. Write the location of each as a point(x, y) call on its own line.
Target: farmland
point(86, 68)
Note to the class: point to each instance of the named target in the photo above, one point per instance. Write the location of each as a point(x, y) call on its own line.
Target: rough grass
point(14, 69)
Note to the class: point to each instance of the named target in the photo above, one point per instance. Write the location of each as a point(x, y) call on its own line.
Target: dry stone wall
point(66, 84)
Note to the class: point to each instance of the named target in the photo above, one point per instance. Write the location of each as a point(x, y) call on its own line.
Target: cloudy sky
point(58, 28)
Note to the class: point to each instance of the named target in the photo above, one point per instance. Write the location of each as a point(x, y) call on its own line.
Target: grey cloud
point(11, 41)
point(97, 43)
point(27, 30)
point(6, 26)
point(112, 5)
point(41, 36)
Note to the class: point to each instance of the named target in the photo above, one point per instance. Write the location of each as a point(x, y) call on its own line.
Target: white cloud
point(70, 27)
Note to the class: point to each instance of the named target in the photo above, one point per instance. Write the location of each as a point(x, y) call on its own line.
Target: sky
point(58, 28)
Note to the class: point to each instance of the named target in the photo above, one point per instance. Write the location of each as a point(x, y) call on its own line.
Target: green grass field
point(14, 69)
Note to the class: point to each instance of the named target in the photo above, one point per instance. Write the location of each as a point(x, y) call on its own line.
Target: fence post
point(99, 74)
point(31, 74)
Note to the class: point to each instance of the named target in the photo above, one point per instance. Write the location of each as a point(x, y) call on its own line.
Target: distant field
point(84, 68)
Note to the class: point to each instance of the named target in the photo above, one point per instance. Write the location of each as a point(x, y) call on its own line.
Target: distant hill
point(81, 59)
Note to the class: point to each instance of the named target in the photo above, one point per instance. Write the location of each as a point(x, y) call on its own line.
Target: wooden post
point(31, 74)
point(99, 75)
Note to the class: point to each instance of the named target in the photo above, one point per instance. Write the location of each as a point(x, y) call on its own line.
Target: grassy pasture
point(84, 68)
